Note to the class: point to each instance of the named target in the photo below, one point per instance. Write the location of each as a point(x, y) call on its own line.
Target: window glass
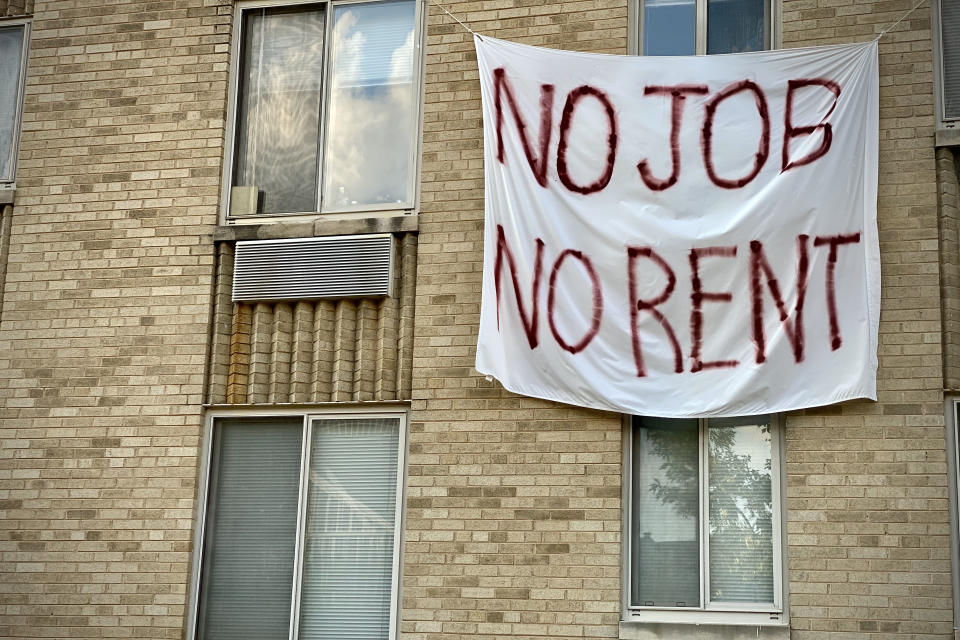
point(737, 25)
point(348, 553)
point(950, 51)
point(741, 511)
point(702, 513)
point(11, 48)
point(669, 27)
point(371, 109)
point(666, 505)
point(278, 110)
point(326, 123)
point(343, 525)
point(672, 27)
point(249, 542)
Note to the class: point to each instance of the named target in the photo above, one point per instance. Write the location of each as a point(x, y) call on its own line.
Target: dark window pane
point(737, 25)
point(278, 108)
point(248, 555)
point(669, 27)
point(665, 536)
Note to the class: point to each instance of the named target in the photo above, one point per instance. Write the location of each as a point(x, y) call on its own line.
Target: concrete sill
point(680, 631)
point(948, 137)
point(7, 196)
point(320, 227)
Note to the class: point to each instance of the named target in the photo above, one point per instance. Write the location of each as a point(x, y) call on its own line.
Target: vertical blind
point(350, 528)
point(247, 571)
point(349, 532)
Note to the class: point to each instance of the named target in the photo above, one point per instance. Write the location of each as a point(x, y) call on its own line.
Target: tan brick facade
point(106, 308)
point(117, 328)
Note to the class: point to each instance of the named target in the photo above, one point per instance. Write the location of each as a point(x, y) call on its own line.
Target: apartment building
point(240, 267)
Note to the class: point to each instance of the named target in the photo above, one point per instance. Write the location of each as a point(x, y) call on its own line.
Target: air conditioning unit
point(312, 268)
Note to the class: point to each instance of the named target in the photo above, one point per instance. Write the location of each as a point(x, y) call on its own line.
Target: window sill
point(319, 227)
point(691, 631)
point(7, 195)
point(947, 137)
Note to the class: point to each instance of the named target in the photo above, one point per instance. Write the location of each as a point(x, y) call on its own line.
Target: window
point(688, 27)
point(953, 480)
point(704, 520)
point(947, 57)
point(326, 108)
point(13, 61)
point(301, 531)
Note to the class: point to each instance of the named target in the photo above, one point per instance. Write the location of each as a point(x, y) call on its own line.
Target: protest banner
point(687, 236)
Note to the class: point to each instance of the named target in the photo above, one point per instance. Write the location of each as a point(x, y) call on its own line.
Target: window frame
point(947, 130)
point(27, 22)
point(952, 425)
point(230, 124)
point(635, 27)
point(308, 415)
point(758, 614)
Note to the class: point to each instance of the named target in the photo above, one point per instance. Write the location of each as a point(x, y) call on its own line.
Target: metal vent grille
point(331, 267)
point(950, 32)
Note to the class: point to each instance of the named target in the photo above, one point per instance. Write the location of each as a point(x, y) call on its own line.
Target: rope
point(442, 8)
point(902, 18)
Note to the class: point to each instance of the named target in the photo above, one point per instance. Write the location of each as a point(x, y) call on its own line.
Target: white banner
point(681, 236)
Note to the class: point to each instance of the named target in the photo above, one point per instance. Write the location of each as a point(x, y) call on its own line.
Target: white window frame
point(759, 614)
point(231, 121)
point(635, 26)
point(309, 416)
point(9, 182)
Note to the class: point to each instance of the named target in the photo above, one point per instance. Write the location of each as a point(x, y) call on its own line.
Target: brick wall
point(16, 7)
point(867, 497)
point(513, 511)
point(105, 313)
point(948, 191)
point(513, 521)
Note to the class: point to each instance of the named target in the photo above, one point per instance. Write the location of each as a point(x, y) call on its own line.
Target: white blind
point(741, 510)
point(247, 576)
point(950, 30)
point(350, 527)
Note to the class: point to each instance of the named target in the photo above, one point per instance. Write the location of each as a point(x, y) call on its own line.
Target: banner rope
point(444, 9)
point(902, 18)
